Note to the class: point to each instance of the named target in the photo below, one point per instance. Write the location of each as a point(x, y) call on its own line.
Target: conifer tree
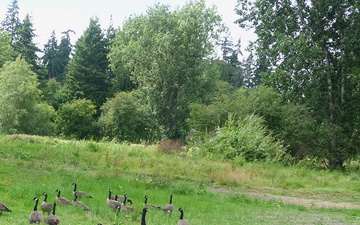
point(87, 76)
point(12, 22)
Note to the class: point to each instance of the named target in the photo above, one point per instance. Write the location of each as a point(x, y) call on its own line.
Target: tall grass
point(30, 165)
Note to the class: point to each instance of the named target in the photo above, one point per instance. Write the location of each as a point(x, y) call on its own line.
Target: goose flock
point(117, 203)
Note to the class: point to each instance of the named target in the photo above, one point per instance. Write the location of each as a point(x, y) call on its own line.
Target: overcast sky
point(61, 15)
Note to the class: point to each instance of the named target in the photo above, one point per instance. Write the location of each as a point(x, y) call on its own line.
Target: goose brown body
point(78, 203)
point(80, 194)
point(112, 203)
point(182, 221)
point(147, 205)
point(169, 208)
point(46, 206)
point(61, 200)
point(124, 207)
point(4, 208)
point(35, 215)
point(52, 219)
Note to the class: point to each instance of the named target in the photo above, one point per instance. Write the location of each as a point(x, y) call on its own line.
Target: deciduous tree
point(20, 110)
point(6, 50)
point(165, 50)
point(310, 48)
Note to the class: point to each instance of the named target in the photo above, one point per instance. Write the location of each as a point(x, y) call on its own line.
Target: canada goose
point(152, 206)
point(35, 216)
point(182, 221)
point(122, 197)
point(169, 208)
point(143, 222)
point(52, 219)
point(4, 208)
point(112, 203)
point(79, 203)
point(45, 206)
point(61, 200)
point(80, 194)
point(124, 207)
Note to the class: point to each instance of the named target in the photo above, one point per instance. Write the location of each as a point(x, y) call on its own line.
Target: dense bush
point(294, 125)
point(123, 119)
point(244, 138)
point(43, 120)
point(75, 119)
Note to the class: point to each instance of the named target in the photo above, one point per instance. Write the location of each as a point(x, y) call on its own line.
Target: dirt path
point(293, 200)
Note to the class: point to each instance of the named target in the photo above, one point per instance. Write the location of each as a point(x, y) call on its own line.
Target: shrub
point(76, 119)
point(245, 138)
point(123, 118)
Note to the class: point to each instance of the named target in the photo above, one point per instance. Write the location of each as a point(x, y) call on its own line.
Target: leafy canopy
point(164, 51)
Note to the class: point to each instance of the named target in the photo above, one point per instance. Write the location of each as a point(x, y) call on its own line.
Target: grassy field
point(31, 165)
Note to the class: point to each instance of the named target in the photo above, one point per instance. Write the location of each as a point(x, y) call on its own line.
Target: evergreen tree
point(12, 22)
point(50, 59)
point(25, 45)
point(230, 66)
point(88, 71)
point(56, 57)
point(64, 52)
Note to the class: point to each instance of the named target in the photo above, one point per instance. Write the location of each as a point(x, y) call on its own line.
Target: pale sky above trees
point(75, 14)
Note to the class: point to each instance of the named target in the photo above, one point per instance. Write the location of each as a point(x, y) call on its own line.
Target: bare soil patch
point(292, 200)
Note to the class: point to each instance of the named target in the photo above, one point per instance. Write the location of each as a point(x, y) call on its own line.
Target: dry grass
point(171, 146)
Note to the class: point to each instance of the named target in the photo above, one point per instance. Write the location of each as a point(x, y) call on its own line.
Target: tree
point(64, 51)
point(25, 45)
point(165, 52)
point(56, 57)
point(231, 70)
point(310, 48)
point(88, 71)
point(19, 100)
point(6, 50)
point(50, 59)
point(12, 22)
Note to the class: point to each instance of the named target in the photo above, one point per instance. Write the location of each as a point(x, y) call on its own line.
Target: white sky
point(61, 15)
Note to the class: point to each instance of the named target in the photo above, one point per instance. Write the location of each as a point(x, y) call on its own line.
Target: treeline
point(294, 98)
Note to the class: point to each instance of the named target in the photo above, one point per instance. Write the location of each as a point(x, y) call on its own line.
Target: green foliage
point(6, 50)
point(246, 138)
point(19, 95)
point(75, 119)
point(88, 71)
point(52, 93)
point(56, 57)
point(43, 120)
point(25, 45)
point(11, 22)
point(309, 60)
point(262, 101)
point(294, 125)
point(124, 119)
point(164, 51)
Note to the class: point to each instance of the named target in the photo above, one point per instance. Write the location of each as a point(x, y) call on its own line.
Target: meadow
point(31, 165)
